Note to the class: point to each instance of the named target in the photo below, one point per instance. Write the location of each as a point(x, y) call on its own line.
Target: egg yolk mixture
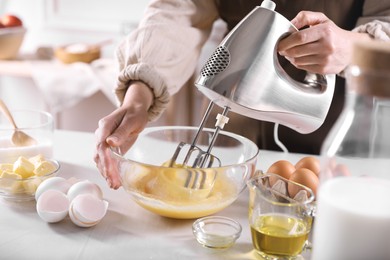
point(162, 190)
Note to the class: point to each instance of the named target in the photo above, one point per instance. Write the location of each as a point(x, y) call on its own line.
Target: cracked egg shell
point(84, 187)
point(53, 183)
point(52, 206)
point(87, 210)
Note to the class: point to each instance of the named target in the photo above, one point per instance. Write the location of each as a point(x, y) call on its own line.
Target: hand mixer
point(244, 75)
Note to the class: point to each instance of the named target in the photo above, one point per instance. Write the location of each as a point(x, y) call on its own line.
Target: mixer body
point(245, 74)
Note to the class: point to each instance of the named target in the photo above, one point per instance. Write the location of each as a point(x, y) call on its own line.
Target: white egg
point(53, 183)
point(84, 187)
point(87, 210)
point(52, 206)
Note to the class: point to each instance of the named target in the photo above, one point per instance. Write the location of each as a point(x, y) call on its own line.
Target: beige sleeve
point(375, 19)
point(163, 51)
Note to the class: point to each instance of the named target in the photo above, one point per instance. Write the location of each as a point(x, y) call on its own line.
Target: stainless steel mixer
point(245, 75)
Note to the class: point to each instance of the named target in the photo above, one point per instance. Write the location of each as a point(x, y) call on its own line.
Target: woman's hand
point(322, 48)
point(120, 130)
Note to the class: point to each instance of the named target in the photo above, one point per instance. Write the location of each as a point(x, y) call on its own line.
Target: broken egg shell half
point(87, 210)
point(52, 206)
point(53, 183)
point(84, 187)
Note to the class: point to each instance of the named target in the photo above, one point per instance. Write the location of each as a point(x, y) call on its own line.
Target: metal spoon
point(19, 138)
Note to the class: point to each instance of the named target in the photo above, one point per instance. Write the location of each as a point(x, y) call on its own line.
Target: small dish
point(216, 232)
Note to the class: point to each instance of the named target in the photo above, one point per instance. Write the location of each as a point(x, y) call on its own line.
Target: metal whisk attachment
point(194, 156)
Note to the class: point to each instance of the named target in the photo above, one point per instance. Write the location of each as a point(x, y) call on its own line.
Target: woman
point(161, 55)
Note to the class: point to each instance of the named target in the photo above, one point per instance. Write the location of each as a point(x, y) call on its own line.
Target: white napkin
point(64, 85)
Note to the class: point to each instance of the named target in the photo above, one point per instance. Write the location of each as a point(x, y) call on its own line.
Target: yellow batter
point(161, 190)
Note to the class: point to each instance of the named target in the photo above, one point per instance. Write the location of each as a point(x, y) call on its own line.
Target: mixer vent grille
point(216, 63)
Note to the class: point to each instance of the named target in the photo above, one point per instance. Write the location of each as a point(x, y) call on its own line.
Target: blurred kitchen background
point(78, 95)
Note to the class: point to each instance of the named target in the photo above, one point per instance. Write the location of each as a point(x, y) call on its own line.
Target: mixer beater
point(197, 158)
point(202, 159)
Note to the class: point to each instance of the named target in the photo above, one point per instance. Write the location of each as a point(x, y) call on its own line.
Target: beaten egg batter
point(161, 190)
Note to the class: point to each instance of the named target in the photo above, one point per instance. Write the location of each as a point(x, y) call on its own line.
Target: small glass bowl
point(216, 232)
point(18, 190)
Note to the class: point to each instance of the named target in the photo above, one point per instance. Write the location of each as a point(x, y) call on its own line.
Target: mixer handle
point(315, 81)
point(312, 82)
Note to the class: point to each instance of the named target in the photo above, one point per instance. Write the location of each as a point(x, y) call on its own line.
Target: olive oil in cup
point(280, 225)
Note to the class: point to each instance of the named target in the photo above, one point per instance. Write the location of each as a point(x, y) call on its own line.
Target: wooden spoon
point(19, 138)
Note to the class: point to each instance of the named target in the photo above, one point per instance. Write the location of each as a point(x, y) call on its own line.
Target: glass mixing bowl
point(162, 190)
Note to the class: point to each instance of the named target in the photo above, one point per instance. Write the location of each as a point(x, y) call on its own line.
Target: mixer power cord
point(277, 141)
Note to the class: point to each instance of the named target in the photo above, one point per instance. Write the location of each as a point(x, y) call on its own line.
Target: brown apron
point(344, 14)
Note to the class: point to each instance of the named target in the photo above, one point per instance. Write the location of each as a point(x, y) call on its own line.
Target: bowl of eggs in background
point(23, 167)
point(159, 188)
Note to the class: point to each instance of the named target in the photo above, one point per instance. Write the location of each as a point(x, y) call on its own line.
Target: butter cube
point(10, 175)
point(6, 167)
point(31, 185)
point(23, 167)
point(10, 181)
point(44, 168)
point(37, 159)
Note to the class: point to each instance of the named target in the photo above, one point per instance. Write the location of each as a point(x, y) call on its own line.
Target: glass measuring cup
point(280, 225)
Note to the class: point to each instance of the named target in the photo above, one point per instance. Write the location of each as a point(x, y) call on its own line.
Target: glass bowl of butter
point(160, 187)
point(20, 179)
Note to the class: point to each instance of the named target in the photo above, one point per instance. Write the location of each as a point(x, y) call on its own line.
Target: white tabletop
point(126, 232)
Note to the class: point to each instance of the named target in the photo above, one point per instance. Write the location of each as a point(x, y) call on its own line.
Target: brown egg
point(309, 162)
point(304, 177)
point(282, 168)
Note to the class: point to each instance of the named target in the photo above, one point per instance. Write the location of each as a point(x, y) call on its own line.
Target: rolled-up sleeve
point(163, 51)
point(375, 19)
